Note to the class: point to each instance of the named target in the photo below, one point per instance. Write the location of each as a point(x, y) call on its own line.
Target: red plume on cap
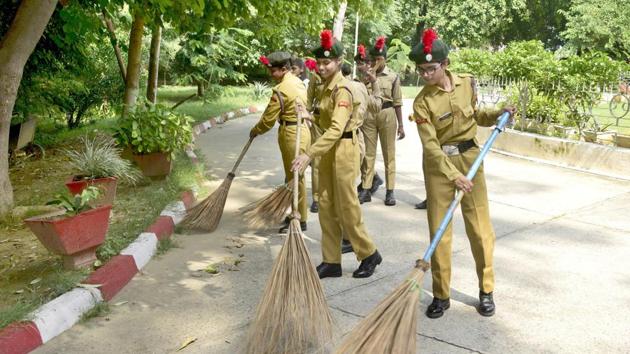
point(263, 59)
point(361, 50)
point(428, 37)
point(380, 43)
point(311, 64)
point(326, 39)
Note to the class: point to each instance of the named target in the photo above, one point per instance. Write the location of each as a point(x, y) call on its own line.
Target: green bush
point(472, 61)
point(154, 128)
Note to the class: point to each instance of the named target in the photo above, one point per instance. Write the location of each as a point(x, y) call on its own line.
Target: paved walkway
point(562, 264)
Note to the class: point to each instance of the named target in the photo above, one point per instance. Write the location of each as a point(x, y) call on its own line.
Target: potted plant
point(99, 163)
point(622, 140)
point(75, 232)
point(154, 132)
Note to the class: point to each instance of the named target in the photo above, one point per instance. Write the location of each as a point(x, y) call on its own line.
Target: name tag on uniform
point(444, 116)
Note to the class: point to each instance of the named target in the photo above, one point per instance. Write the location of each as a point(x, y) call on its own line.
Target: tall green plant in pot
point(98, 163)
point(154, 132)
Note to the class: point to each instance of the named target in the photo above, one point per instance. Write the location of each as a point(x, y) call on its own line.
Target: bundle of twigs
point(391, 326)
point(271, 209)
point(292, 316)
point(207, 214)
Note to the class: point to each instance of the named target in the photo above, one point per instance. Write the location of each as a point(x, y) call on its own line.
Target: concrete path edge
point(63, 312)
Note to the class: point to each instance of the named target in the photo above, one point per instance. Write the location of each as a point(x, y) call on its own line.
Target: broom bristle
point(391, 326)
point(207, 214)
point(292, 316)
point(270, 210)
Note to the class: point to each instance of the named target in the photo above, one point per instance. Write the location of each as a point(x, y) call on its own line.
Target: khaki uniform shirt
point(389, 84)
point(448, 118)
point(335, 112)
point(282, 103)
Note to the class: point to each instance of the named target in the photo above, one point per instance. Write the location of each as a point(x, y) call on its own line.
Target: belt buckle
point(450, 150)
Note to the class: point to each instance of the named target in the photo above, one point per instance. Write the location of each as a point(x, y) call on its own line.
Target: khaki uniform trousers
point(286, 141)
point(339, 209)
point(474, 205)
point(315, 133)
point(383, 126)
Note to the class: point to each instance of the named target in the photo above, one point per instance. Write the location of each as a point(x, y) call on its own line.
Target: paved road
point(562, 264)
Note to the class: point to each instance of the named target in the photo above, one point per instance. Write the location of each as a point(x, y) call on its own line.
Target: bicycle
point(619, 104)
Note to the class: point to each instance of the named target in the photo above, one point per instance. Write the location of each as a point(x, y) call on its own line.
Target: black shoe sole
point(486, 314)
point(333, 275)
point(390, 203)
point(369, 275)
point(439, 314)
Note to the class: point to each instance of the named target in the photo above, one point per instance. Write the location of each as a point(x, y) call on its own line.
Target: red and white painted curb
point(60, 314)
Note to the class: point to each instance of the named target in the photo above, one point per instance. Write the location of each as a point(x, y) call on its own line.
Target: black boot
point(326, 270)
point(360, 187)
point(368, 265)
point(376, 182)
point(365, 196)
point(315, 207)
point(285, 228)
point(437, 308)
point(422, 205)
point(389, 198)
point(486, 304)
point(346, 246)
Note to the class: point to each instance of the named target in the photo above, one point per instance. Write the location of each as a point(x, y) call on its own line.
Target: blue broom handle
point(502, 122)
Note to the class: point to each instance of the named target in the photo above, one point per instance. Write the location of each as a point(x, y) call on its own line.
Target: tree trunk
point(339, 20)
point(154, 64)
point(112, 36)
point(134, 62)
point(200, 88)
point(15, 49)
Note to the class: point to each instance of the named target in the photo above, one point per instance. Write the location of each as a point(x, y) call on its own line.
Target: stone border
point(578, 155)
point(63, 312)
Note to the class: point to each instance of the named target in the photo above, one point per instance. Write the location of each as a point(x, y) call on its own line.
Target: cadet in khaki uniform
point(368, 79)
point(447, 118)
point(338, 148)
point(281, 108)
point(386, 125)
point(365, 103)
point(314, 89)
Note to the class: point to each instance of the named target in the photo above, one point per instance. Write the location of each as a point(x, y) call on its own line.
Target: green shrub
point(154, 128)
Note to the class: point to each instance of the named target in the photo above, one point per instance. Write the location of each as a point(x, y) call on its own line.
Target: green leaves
point(154, 128)
point(78, 203)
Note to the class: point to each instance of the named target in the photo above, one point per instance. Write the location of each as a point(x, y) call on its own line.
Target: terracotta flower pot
point(622, 140)
point(107, 185)
point(154, 165)
point(74, 237)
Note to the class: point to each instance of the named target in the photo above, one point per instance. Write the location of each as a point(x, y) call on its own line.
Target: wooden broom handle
point(240, 158)
point(296, 175)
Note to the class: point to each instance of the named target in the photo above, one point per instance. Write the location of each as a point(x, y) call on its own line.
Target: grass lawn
point(29, 274)
point(231, 98)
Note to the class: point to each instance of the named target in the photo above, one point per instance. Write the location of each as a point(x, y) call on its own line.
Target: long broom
point(271, 209)
point(391, 326)
point(207, 214)
point(292, 316)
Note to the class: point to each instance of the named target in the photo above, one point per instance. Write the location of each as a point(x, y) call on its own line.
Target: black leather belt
point(387, 104)
point(347, 135)
point(456, 149)
point(285, 123)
